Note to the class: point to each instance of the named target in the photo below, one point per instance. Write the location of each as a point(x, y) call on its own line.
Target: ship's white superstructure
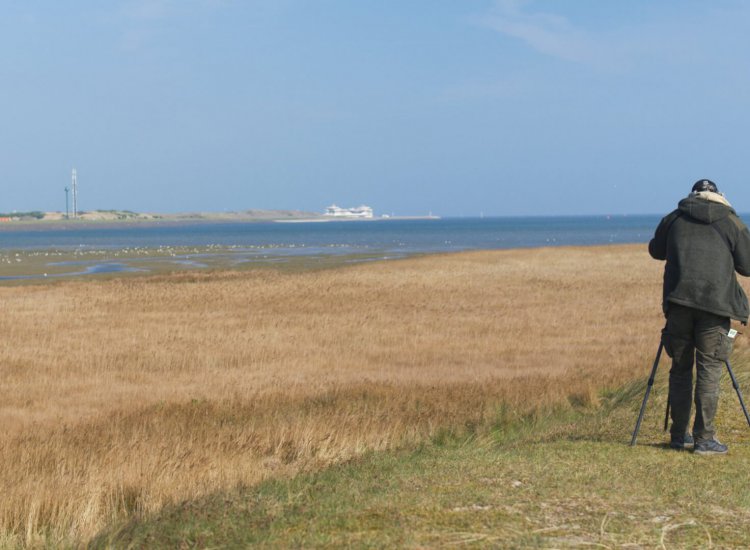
point(358, 212)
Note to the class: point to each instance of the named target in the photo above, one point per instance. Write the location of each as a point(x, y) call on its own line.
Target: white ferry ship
point(363, 211)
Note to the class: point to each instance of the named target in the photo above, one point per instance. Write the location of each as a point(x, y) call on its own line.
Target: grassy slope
point(122, 397)
point(562, 479)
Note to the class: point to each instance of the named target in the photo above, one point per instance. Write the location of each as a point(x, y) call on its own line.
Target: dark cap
point(705, 185)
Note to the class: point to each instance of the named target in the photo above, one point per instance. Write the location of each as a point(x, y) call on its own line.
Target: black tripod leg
point(645, 397)
point(739, 393)
point(666, 414)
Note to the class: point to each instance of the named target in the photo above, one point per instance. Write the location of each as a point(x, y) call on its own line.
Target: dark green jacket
point(704, 243)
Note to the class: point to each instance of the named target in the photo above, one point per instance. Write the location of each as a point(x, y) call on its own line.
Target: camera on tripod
point(730, 337)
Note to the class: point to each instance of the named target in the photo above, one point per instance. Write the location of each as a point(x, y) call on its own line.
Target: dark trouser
point(695, 333)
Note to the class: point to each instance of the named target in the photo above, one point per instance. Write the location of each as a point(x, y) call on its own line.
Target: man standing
point(704, 242)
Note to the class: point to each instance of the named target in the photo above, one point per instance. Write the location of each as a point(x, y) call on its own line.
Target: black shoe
point(681, 442)
point(710, 447)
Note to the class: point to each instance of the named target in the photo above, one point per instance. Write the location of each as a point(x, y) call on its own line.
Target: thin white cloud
point(693, 47)
point(700, 36)
point(547, 33)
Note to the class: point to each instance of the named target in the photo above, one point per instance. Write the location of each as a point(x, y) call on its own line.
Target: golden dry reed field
point(120, 396)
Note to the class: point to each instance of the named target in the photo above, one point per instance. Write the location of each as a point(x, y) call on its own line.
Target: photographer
point(703, 242)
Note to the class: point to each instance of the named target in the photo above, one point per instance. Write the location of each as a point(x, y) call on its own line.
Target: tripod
point(666, 418)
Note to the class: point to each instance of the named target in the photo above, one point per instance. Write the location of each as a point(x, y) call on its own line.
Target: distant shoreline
point(65, 225)
point(343, 219)
point(122, 219)
point(127, 217)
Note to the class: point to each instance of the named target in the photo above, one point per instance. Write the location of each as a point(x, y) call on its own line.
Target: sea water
point(391, 235)
point(375, 239)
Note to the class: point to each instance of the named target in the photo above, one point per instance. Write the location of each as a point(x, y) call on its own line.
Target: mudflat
point(124, 395)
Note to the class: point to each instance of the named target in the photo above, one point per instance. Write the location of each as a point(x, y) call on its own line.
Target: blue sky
point(506, 107)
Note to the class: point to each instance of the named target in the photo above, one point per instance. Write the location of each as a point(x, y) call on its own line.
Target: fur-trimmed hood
point(713, 197)
point(706, 207)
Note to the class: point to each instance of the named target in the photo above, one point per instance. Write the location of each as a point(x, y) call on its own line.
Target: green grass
point(567, 478)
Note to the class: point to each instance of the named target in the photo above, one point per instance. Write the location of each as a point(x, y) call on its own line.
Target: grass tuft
point(558, 478)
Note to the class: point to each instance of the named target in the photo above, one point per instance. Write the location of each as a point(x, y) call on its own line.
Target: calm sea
point(200, 245)
point(397, 237)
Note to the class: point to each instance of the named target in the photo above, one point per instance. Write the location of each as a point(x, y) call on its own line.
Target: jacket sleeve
point(658, 245)
point(741, 250)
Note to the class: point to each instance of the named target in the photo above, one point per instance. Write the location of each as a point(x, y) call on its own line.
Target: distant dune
point(130, 216)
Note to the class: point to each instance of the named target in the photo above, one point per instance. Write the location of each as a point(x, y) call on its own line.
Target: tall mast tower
point(74, 188)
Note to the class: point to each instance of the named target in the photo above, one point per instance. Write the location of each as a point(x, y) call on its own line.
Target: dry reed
point(118, 397)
